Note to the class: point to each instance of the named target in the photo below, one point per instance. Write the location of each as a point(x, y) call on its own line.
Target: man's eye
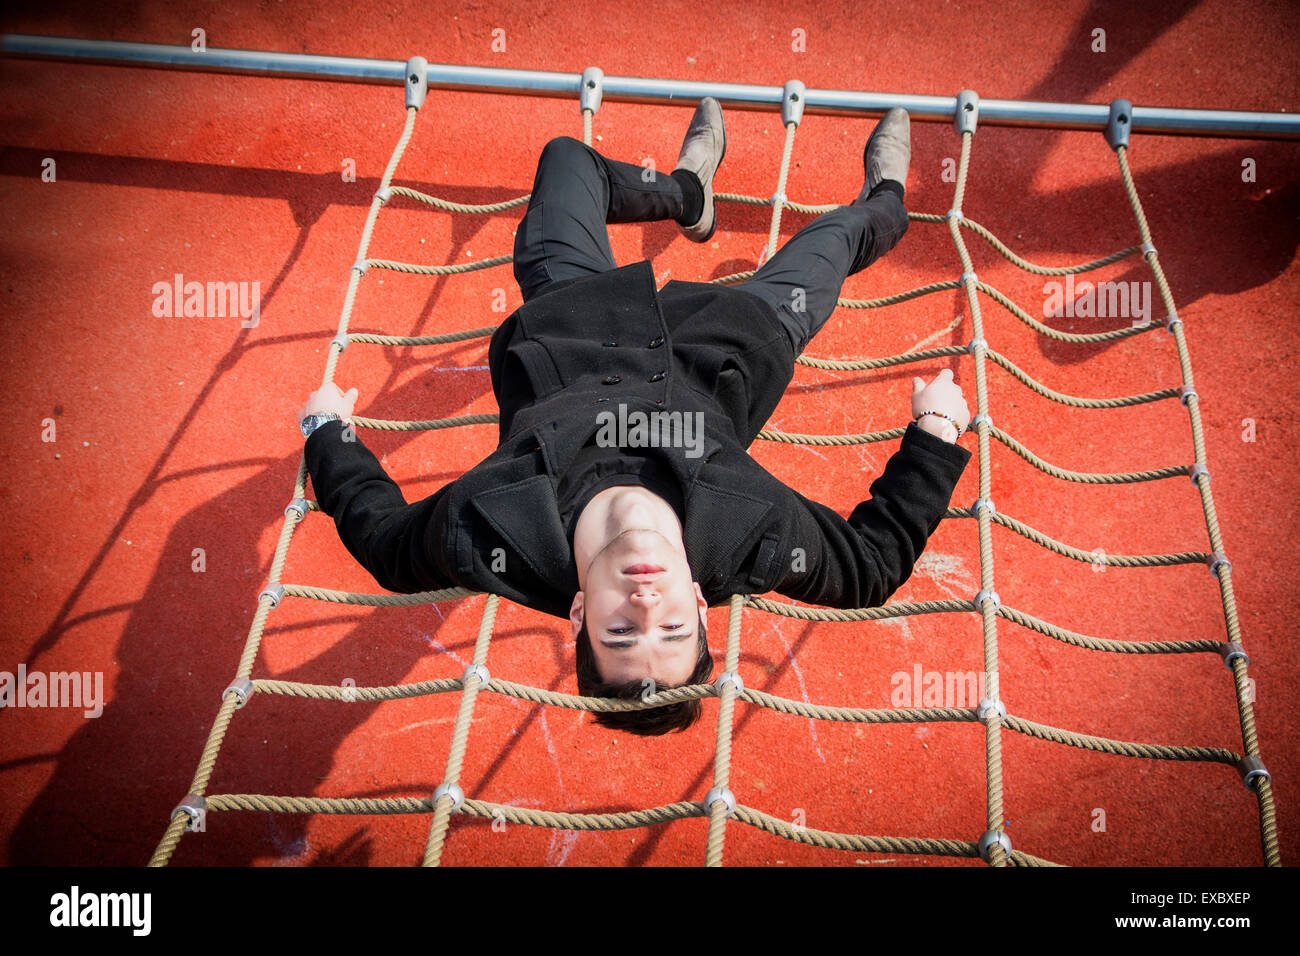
point(619, 630)
point(674, 627)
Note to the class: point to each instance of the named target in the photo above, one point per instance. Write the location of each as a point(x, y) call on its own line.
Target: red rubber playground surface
point(176, 434)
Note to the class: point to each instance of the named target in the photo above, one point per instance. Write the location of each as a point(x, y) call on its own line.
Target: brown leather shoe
point(702, 151)
point(888, 151)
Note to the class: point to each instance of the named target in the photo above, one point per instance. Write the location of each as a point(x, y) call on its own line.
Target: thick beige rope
point(717, 812)
point(207, 761)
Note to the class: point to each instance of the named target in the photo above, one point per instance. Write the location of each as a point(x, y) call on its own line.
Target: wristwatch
point(313, 422)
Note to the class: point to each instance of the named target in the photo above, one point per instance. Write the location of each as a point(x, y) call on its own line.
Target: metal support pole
point(1084, 116)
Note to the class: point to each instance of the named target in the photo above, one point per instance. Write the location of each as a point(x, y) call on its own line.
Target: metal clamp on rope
point(1231, 651)
point(479, 671)
point(592, 86)
point(1198, 469)
point(792, 98)
point(778, 199)
point(242, 689)
point(1185, 392)
point(417, 81)
point(298, 506)
point(449, 790)
point(970, 346)
point(1252, 771)
point(991, 837)
point(792, 103)
point(723, 794)
point(1171, 322)
point(1119, 123)
point(953, 214)
point(729, 677)
point(988, 707)
point(984, 595)
point(1148, 248)
point(361, 266)
point(968, 275)
point(193, 806)
point(1215, 559)
point(974, 422)
point(275, 593)
point(341, 341)
point(967, 113)
point(983, 503)
point(383, 195)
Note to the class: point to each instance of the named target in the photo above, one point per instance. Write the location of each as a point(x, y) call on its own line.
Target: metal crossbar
point(720, 804)
point(635, 89)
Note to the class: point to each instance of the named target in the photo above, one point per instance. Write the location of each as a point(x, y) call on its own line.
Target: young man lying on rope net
point(621, 494)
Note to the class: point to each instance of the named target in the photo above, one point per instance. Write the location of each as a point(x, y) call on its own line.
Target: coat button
point(656, 377)
point(612, 380)
point(611, 344)
point(656, 342)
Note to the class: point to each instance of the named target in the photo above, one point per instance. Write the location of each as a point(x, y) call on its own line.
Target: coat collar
point(526, 515)
point(713, 556)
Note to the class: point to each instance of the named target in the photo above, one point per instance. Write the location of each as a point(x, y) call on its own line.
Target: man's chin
point(638, 546)
point(633, 537)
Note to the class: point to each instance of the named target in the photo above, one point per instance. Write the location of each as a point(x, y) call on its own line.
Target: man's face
point(642, 610)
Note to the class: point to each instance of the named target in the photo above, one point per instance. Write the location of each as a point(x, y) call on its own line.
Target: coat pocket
point(532, 359)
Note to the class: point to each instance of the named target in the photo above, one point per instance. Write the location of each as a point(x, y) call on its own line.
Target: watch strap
point(312, 422)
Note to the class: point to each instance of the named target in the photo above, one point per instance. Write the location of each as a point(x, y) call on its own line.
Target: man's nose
point(645, 596)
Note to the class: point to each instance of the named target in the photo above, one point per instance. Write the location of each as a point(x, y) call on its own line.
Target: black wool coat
point(586, 346)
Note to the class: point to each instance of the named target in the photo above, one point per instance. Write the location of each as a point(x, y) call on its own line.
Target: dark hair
point(652, 721)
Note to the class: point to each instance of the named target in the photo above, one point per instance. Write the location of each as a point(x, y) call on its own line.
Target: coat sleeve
point(860, 561)
point(403, 546)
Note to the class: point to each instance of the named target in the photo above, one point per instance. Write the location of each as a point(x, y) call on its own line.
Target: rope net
point(720, 805)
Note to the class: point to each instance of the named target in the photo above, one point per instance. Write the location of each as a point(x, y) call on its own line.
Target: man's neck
point(614, 511)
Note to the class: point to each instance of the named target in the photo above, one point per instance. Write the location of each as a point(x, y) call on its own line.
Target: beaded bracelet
point(941, 415)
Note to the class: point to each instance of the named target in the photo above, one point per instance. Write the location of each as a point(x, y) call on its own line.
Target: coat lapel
point(712, 552)
point(525, 514)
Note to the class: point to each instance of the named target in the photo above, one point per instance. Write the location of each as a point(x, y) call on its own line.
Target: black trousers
point(576, 191)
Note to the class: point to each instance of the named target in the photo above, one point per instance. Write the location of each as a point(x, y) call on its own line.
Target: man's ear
point(576, 612)
point(702, 604)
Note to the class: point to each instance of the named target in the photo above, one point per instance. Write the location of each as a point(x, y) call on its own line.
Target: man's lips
point(641, 569)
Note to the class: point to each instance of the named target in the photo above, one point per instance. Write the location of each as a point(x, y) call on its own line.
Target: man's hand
point(330, 398)
point(941, 395)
